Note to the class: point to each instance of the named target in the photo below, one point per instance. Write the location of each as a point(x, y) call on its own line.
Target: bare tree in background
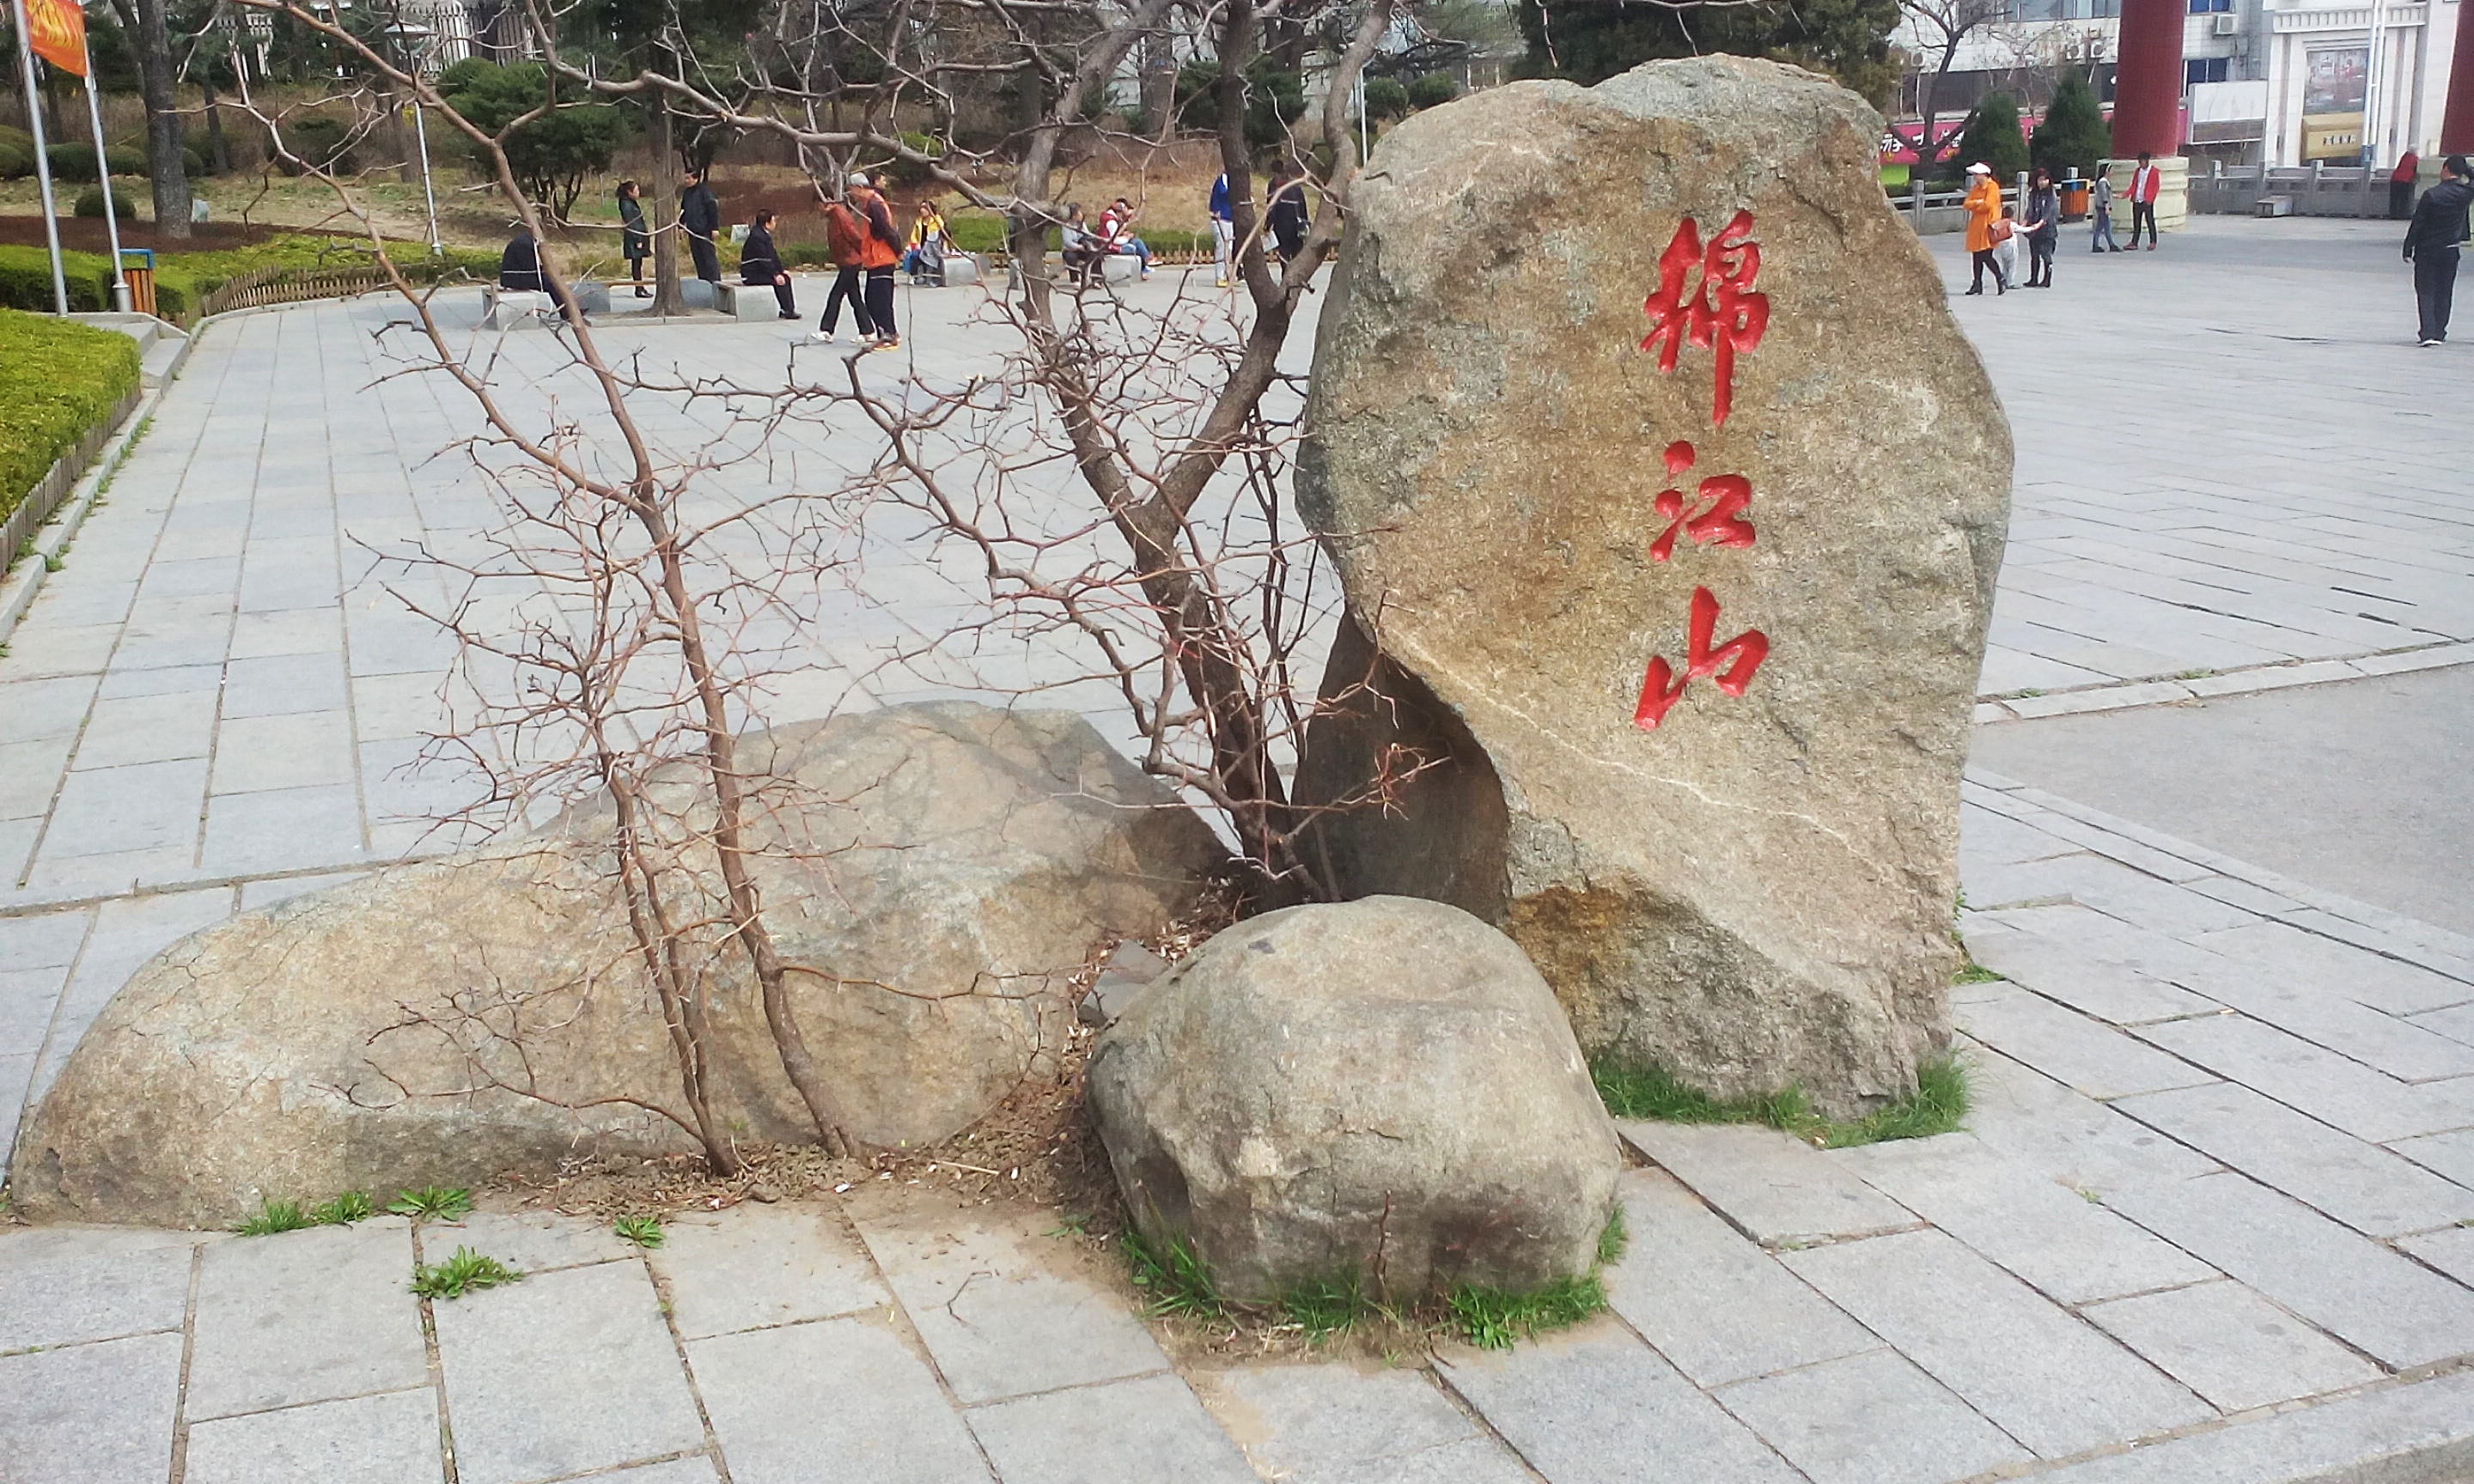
point(1119, 478)
point(1941, 28)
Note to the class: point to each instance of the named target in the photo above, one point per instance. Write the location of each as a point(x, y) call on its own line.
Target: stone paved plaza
point(2214, 1198)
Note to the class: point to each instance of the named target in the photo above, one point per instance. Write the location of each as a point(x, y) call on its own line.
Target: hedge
point(74, 161)
point(57, 379)
point(182, 278)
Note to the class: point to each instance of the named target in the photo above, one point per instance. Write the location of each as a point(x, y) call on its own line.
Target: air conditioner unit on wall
point(2228, 25)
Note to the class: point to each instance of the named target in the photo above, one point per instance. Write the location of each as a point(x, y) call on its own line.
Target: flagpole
point(103, 173)
point(42, 159)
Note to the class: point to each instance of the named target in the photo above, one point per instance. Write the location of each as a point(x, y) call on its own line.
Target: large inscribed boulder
point(1668, 501)
point(1381, 1089)
point(937, 873)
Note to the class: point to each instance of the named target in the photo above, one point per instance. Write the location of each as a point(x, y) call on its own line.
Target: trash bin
point(140, 278)
point(2074, 199)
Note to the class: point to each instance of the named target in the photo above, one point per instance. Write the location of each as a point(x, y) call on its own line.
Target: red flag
point(57, 31)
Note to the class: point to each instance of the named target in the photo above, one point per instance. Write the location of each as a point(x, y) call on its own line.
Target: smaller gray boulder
point(1382, 1087)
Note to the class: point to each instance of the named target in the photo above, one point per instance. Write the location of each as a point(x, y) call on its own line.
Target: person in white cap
point(1983, 205)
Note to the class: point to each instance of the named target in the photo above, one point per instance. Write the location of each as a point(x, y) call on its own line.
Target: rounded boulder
point(1382, 1088)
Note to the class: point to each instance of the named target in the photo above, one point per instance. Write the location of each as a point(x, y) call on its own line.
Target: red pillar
point(2147, 78)
point(2456, 125)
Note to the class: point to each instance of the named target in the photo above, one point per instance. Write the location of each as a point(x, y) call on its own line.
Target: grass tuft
point(1650, 1091)
point(1328, 1307)
point(1977, 973)
point(642, 1231)
point(1175, 1279)
point(344, 1209)
point(275, 1216)
point(437, 1203)
point(1612, 1241)
point(458, 1274)
point(1493, 1319)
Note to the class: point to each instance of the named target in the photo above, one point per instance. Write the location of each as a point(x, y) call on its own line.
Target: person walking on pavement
point(1223, 228)
point(700, 218)
point(2146, 180)
point(2100, 199)
point(2401, 185)
point(1983, 205)
point(1289, 214)
point(879, 249)
point(635, 241)
point(2433, 241)
point(2044, 228)
point(845, 242)
point(761, 265)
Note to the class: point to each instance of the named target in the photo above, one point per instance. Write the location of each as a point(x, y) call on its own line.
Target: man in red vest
point(2145, 181)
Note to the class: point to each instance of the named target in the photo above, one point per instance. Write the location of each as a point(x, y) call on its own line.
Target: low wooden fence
point(289, 287)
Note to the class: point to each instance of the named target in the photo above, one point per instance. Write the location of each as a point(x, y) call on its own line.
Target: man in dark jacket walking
point(700, 218)
point(2432, 241)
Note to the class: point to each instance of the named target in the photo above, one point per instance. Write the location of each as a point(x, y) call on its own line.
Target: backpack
point(846, 235)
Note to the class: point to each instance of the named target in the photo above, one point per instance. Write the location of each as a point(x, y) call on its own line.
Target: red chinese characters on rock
point(1705, 297)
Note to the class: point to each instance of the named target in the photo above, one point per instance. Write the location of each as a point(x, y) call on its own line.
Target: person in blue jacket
point(1223, 227)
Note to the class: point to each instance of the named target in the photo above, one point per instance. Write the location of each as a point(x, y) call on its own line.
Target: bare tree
point(1941, 28)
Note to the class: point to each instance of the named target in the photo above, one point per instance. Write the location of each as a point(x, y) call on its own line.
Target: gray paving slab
point(305, 1316)
point(2417, 1434)
point(2084, 1054)
point(2456, 1023)
point(1714, 1303)
point(2059, 970)
point(2312, 1010)
point(2041, 1375)
point(2232, 1345)
point(2384, 983)
point(698, 1469)
point(2333, 1089)
point(2360, 1184)
point(1590, 1406)
point(2399, 1313)
point(1871, 1418)
point(2452, 1154)
point(1001, 1314)
point(764, 1265)
point(1122, 1432)
point(2068, 1136)
point(784, 1399)
point(1333, 1422)
point(75, 1298)
point(2054, 1237)
point(388, 1439)
point(531, 1241)
point(1776, 1189)
point(90, 1414)
point(561, 1374)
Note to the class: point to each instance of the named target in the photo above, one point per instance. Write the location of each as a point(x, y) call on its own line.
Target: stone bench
point(515, 309)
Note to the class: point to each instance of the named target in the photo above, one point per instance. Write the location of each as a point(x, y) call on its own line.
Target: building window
point(2210, 7)
point(2207, 69)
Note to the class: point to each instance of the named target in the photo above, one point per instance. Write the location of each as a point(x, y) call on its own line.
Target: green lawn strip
point(1633, 1090)
point(56, 381)
point(182, 278)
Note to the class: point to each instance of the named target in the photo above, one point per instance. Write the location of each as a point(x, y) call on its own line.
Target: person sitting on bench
point(1083, 249)
point(520, 270)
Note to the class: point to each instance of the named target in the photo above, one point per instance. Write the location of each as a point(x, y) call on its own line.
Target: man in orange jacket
point(2144, 183)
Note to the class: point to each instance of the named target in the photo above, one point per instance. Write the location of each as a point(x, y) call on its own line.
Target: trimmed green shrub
point(89, 203)
point(74, 161)
point(1385, 99)
point(1435, 88)
point(16, 160)
point(57, 379)
point(319, 140)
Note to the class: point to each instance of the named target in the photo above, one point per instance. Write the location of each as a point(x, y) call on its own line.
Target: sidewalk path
point(2222, 1163)
point(2212, 1197)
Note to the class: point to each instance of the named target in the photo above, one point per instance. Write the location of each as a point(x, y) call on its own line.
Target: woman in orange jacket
point(1983, 205)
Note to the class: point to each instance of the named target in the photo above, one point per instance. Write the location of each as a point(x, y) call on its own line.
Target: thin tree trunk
point(664, 212)
point(157, 82)
point(219, 157)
